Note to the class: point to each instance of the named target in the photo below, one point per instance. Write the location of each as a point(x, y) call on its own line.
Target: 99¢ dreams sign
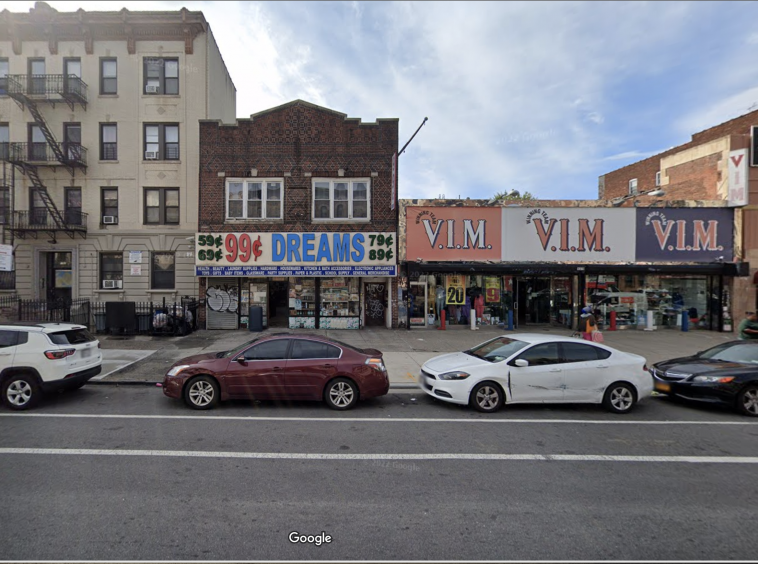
point(296, 254)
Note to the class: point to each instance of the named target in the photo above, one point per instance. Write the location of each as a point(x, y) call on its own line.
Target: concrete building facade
point(99, 143)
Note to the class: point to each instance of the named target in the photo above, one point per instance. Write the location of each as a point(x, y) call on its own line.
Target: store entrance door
point(417, 298)
point(59, 277)
point(375, 305)
point(533, 297)
point(278, 304)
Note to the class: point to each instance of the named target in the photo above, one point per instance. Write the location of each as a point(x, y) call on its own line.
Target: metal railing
point(41, 220)
point(13, 308)
point(69, 87)
point(74, 154)
point(162, 318)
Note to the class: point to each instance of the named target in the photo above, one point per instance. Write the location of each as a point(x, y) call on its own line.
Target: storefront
point(550, 262)
point(299, 280)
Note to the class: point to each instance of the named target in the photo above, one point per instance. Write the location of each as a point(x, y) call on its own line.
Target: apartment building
point(99, 144)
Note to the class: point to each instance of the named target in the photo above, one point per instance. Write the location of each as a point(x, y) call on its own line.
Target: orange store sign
point(453, 233)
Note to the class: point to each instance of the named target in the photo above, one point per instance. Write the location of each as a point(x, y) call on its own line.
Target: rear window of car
point(71, 337)
point(346, 346)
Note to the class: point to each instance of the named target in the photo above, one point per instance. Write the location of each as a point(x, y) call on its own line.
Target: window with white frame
point(341, 199)
point(259, 198)
point(658, 178)
point(633, 186)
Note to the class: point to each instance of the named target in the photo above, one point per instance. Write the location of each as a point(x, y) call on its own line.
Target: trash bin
point(100, 322)
point(255, 319)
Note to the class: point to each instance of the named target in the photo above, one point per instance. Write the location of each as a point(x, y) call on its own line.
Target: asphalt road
point(124, 473)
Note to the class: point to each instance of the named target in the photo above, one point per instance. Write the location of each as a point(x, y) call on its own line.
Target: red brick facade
point(695, 180)
point(298, 141)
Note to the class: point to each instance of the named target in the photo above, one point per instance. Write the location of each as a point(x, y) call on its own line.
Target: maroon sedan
point(281, 366)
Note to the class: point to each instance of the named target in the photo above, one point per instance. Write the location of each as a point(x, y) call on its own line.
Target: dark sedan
point(725, 374)
point(280, 367)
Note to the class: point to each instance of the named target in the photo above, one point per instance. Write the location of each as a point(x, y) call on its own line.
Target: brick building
point(717, 167)
point(298, 216)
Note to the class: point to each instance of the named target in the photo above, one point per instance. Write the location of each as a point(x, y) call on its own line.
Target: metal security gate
point(222, 303)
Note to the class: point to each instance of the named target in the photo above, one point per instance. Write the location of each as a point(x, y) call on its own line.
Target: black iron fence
point(74, 154)
point(67, 86)
point(13, 308)
point(39, 219)
point(150, 318)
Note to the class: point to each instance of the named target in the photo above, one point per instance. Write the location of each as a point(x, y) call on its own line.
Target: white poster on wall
point(136, 270)
point(6, 258)
point(738, 173)
point(135, 257)
point(568, 234)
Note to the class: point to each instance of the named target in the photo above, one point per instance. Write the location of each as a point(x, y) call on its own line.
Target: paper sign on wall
point(135, 257)
point(455, 288)
point(6, 258)
point(136, 270)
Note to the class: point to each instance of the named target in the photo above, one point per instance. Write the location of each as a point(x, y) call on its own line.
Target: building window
point(73, 209)
point(5, 137)
point(341, 199)
point(72, 71)
point(108, 142)
point(5, 205)
point(72, 141)
point(163, 271)
point(111, 270)
point(162, 141)
point(161, 206)
point(4, 71)
point(109, 205)
point(658, 178)
point(37, 76)
point(37, 208)
point(254, 199)
point(161, 76)
point(108, 76)
point(633, 186)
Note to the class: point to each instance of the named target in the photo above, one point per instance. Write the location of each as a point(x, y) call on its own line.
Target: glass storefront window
point(339, 297)
point(302, 303)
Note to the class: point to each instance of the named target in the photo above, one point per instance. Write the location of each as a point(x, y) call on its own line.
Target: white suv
point(43, 357)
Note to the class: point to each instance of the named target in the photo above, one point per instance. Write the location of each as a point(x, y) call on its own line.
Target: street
point(124, 473)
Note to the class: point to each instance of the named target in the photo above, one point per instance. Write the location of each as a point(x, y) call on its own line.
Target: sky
point(543, 97)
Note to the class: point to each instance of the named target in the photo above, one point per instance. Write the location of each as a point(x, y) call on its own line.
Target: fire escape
point(30, 92)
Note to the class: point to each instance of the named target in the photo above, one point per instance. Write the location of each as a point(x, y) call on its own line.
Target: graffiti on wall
point(222, 298)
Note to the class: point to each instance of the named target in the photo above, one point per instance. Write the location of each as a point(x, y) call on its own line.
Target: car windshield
point(497, 349)
point(71, 337)
point(733, 352)
point(240, 348)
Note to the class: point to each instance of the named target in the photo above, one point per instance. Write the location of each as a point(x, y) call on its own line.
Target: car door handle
point(603, 366)
point(328, 366)
point(5, 354)
point(555, 370)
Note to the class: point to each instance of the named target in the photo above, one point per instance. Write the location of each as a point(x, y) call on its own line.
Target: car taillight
point(645, 368)
point(57, 355)
point(376, 363)
point(98, 344)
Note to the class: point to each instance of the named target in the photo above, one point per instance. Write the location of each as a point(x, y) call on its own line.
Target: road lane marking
point(371, 419)
point(435, 456)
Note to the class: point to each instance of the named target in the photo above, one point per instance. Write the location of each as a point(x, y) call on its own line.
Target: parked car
point(726, 374)
point(280, 366)
point(532, 368)
point(44, 357)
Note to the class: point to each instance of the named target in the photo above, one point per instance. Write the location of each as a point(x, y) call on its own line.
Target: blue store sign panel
point(685, 234)
point(296, 254)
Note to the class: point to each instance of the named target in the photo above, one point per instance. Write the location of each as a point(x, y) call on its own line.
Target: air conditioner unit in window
point(109, 219)
point(109, 284)
point(151, 89)
point(151, 155)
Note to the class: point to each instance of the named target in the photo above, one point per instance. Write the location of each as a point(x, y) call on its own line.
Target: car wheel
point(747, 401)
point(21, 392)
point(201, 392)
point(486, 397)
point(341, 394)
point(619, 398)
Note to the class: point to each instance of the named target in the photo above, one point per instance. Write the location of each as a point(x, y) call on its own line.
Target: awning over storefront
point(531, 269)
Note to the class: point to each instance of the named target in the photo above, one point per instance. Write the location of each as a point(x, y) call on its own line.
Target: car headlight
point(713, 379)
point(456, 375)
point(177, 369)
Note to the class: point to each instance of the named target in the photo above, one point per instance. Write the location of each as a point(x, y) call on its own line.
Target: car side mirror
point(240, 359)
point(521, 362)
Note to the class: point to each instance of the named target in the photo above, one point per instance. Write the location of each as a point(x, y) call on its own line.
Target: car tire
point(747, 400)
point(21, 391)
point(619, 398)
point(201, 392)
point(341, 394)
point(487, 397)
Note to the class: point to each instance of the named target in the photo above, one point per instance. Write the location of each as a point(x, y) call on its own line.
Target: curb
point(154, 384)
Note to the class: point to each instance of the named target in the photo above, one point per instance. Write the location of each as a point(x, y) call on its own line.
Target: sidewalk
point(404, 351)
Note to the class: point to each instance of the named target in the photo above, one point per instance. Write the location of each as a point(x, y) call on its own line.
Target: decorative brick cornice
point(44, 23)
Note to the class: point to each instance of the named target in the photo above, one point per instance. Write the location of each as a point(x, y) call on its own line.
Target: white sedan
point(534, 368)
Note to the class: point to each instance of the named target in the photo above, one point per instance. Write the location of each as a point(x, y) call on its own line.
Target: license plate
point(86, 353)
point(662, 387)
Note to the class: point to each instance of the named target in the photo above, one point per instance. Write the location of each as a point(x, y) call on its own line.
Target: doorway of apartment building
point(278, 304)
point(56, 276)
